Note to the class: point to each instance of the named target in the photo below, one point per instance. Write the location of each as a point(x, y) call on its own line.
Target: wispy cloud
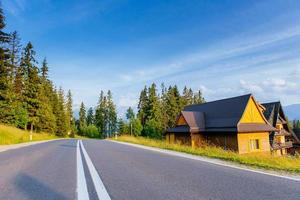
point(232, 54)
point(14, 7)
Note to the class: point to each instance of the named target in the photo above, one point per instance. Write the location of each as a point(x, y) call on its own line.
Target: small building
point(236, 124)
point(281, 141)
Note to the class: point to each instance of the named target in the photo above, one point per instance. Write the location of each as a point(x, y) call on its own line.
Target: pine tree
point(82, 118)
point(32, 84)
point(112, 114)
point(45, 113)
point(15, 48)
point(45, 69)
point(90, 117)
point(61, 119)
point(187, 97)
point(69, 113)
point(6, 98)
point(143, 106)
point(100, 114)
point(198, 98)
point(173, 105)
point(154, 113)
point(130, 114)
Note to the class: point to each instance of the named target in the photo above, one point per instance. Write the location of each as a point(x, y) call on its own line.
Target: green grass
point(12, 135)
point(266, 161)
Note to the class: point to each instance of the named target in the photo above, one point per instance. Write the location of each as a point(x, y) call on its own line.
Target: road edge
point(213, 161)
point(4, 148)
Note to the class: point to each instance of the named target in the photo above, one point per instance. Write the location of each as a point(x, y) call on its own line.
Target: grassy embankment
point(289, 164)
point(12, 135)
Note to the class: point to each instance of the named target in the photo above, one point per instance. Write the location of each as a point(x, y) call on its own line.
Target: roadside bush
point(90, 131)
point(152, 129)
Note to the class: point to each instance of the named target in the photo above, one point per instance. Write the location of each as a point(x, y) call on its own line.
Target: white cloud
point(250, 87)
point(129, 100)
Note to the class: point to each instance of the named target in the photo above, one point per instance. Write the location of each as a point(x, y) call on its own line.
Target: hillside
point(292, 111)
point(12, 135)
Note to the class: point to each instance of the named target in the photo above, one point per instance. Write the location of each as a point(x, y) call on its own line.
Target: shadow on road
point(36, 190)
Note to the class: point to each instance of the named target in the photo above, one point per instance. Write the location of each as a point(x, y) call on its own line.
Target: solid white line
point(82, 192)
point(208, 160)
point(99, 186)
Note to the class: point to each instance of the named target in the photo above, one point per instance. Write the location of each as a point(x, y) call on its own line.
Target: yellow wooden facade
point(245, 142)
point(253, 113)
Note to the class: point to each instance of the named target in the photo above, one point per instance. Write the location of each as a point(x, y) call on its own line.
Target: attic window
point(254, 144)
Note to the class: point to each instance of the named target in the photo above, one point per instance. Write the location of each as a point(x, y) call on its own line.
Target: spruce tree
point(61, 119)
point(82, 118)
point(6, 90)
point(198, 98)
point(112, 114)
point(45, 69)
point(32, 84)
point(90, 117)
point(100, 114)
point(69, 113)
point(154, 113)
point(130, 114)
point(143, 106)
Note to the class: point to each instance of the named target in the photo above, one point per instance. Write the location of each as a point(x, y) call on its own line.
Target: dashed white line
point(99, 186)
point(82, 192)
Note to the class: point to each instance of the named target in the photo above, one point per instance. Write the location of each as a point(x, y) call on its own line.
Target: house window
point(254, 144)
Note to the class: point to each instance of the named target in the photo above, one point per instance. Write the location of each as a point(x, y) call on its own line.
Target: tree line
point(28, 98)
point(157, 111)
point(101, 121)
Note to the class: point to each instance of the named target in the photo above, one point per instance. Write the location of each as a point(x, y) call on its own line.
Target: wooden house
point(282, 140)
point(236, 123)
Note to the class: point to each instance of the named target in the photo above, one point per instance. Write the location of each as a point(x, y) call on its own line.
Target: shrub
point(152, 129)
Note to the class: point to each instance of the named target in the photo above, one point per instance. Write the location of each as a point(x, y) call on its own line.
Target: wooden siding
point(225, 141)
point(181, 121)
point(252, 113)
point(245, 138)
point(179, 138)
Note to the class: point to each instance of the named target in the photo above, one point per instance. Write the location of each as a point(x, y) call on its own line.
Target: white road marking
point(82, 192)
point(203, 159)
point(99, 186)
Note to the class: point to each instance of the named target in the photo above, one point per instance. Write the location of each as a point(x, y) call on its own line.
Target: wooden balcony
point(284, 145)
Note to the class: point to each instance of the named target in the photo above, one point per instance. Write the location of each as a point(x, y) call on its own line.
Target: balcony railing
point(277, 145)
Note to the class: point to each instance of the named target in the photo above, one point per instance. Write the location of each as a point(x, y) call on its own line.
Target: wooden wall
point(244, 142)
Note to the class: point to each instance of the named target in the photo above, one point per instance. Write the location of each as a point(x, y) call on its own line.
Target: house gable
point(252, 113)
point(181, 121)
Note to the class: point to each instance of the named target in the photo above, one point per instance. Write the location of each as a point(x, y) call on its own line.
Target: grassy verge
point(289, 164)
point(12, 135)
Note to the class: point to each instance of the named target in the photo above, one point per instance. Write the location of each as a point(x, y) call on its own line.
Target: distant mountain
point(292, 111)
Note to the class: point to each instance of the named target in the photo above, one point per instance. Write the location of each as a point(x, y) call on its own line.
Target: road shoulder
point(25, 144)
point(280, 174)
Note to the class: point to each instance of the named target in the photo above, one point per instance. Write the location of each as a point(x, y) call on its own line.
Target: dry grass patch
point(290, 164)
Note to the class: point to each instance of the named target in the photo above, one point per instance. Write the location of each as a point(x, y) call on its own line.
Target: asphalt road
point(51, 171)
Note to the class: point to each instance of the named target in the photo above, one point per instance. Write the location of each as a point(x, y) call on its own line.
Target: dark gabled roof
point(195, 120)
point(297, 134)
point(274, 113)
point(222, 114)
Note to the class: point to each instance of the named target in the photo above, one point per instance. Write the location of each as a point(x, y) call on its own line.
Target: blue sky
point(224, 48)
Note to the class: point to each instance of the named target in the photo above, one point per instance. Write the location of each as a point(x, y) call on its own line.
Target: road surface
point(68, 169)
